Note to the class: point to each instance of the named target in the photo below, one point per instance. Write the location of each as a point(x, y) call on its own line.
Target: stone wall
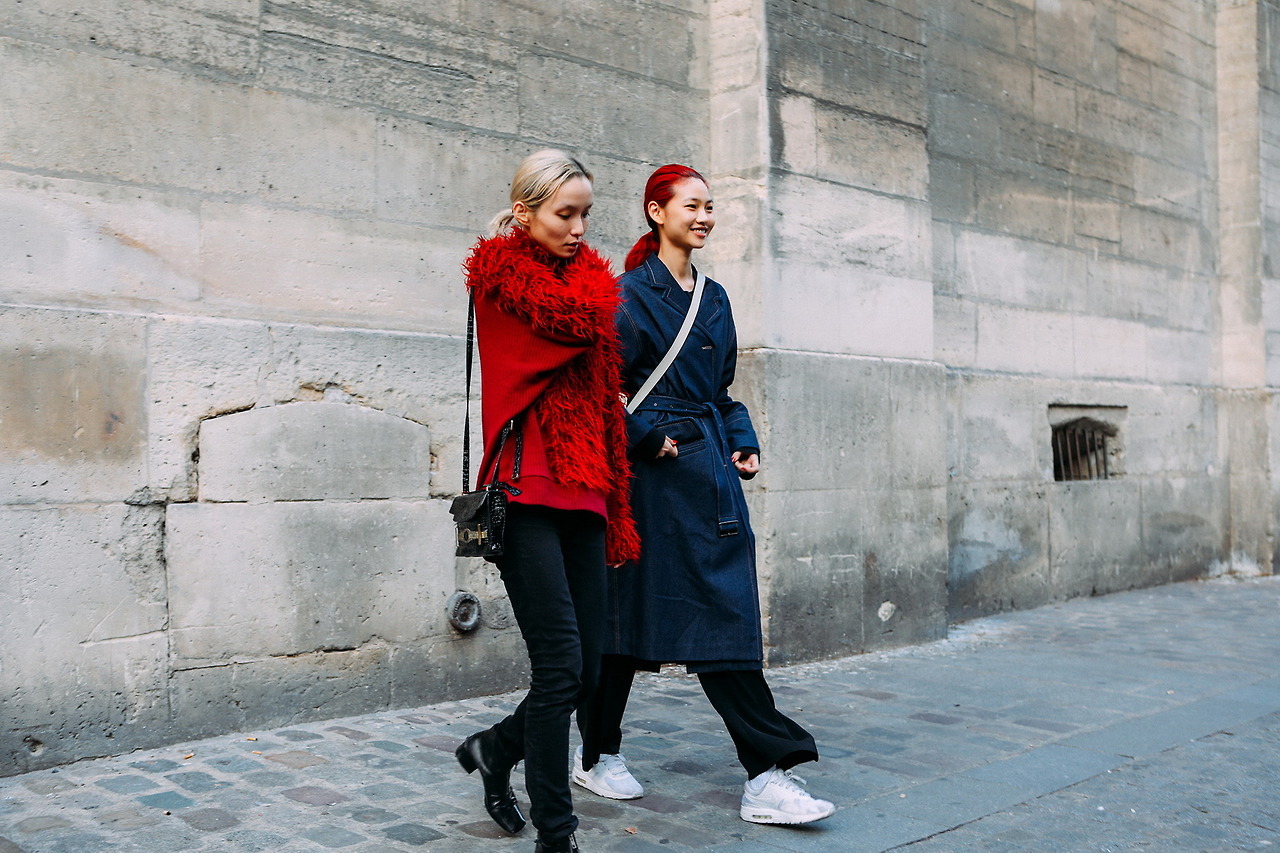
point(1269, 187)
point(231, 312)
point(1073, 154)
point(231, 389)
point(849, 391)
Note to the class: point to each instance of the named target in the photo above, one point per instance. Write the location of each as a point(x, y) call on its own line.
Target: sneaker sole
point(781, 818)
point(585, 782)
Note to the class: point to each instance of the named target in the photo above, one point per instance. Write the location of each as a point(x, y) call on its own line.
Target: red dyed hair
point(661, 187)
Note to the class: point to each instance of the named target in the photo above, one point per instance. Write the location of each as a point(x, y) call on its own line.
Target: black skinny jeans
point(554, 573)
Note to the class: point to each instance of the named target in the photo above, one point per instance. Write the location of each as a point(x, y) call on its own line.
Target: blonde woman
point(545, 319)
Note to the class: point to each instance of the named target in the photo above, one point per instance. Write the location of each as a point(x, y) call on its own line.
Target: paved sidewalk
point(1147, 720)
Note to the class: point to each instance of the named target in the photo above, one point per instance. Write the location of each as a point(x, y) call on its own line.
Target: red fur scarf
point(581, 415)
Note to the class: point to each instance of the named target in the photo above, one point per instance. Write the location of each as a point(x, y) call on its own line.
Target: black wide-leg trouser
point(553, 568)
point(763, 736)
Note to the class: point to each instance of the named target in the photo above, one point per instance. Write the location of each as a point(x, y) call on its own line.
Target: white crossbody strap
point(676, 346)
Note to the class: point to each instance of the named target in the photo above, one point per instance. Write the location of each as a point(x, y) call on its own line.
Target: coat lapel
point(661, 279)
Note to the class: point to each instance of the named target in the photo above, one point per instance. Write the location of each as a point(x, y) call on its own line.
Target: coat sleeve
point(737, 420)
point(644, 440)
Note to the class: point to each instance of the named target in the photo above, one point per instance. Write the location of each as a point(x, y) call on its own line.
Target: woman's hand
point(749, 466)
point(668, 448)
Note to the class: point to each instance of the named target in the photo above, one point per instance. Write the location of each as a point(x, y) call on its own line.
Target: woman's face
point(687, 219)
point(558, 225)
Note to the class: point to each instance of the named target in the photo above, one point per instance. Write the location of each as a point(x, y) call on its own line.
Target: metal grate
point(1080, 451)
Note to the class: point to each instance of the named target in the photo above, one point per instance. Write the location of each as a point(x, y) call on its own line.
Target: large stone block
point(674, 48)
point(851, 60)
point(1095, 536)
point(88, 245)
point(313, 451)
point(182, 132)
point(995, 424)
point(201, 369)
point(243, 695)
point(851, 570)
point(1176, 36)
point(825, 223)
point(1144, 130)
point(1168, 241)
point(1110, 349)
point(982, 75)
point(1159, 297)
point(851, 148)
point(283, 579)
point(217, 35)
point(1003, 269)
point(403, 63)
point(849, 311)
point(1170, 432)
point(955, 331)
point(306, 266)
point(1184, 526)
point(198, 369)
point(73, 419)
point(1003, 27)
point(1077, 39)
point(609, 110)
point(1023, 341)
point(1179, 358)
point(998, 548)
point(442, 178)
point(1024, 205)
point(82, 643)
point(828, 422)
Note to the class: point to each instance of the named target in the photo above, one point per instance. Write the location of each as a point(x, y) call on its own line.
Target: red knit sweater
point(549, 353)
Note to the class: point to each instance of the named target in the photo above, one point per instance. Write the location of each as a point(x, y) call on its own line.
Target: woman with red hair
point(692, 598)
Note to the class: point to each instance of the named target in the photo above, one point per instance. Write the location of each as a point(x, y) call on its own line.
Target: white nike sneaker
point(776, 797)
point(608, 778)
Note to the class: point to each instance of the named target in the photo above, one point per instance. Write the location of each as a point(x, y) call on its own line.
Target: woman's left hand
point(749, 466)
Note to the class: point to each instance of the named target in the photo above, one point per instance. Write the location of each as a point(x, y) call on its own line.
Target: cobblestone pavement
point(1147, 720)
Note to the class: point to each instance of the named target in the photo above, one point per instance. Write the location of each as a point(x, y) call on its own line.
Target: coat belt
point(729, 521)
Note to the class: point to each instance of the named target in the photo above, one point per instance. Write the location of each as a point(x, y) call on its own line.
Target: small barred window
point(1082, 451)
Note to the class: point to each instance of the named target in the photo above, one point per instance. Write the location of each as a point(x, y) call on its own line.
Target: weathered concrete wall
point(1269, 190)
point(1074, 155)
point(850, 396)
point(230, 306)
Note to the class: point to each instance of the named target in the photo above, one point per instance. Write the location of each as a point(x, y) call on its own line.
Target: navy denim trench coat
point(692, 598)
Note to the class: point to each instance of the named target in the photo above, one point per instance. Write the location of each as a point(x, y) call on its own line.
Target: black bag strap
point(466, 421)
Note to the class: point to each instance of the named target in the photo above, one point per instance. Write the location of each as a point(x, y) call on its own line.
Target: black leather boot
point(568, 844)
point(477, 753)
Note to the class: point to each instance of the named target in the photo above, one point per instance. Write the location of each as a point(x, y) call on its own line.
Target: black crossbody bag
point(480, 516)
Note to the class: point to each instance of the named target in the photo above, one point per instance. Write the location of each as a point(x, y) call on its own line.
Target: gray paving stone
point(128, 784)
point(999, 738)
point(209, 820)
point(1047, 769)
point(167, 800)
point(412, 833)
point(333, 837)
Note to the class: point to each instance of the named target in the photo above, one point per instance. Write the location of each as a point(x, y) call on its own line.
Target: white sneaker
point(608, 778)
point(776, 797)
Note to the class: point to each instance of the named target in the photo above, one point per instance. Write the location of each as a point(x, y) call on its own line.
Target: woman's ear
point(655, 212)
point(521, 212)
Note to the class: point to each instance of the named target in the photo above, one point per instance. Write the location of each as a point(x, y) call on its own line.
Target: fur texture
point(580, 412)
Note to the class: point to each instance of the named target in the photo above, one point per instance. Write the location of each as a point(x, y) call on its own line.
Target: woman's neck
point(678, 264)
